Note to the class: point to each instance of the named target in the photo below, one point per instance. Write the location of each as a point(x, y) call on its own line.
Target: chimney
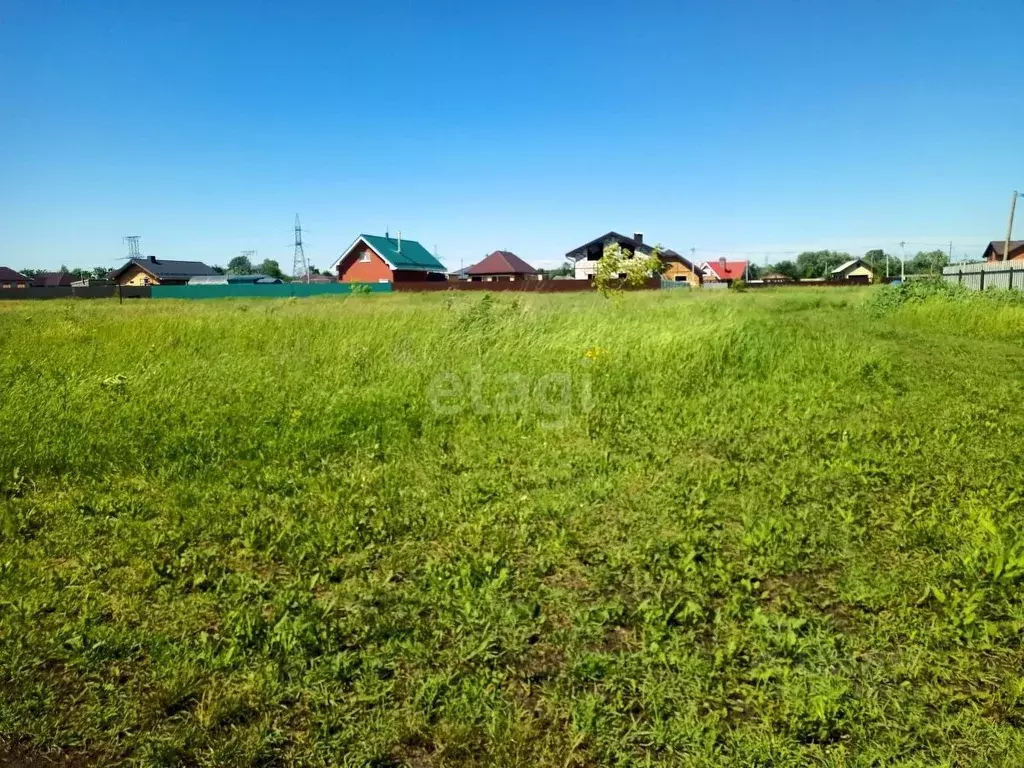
point(152, 259)
point(721, 263)
point(399, 241)
point(639, 237)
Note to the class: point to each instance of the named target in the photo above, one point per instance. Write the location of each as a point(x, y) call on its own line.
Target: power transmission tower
point(299, 266)
point(133, 246)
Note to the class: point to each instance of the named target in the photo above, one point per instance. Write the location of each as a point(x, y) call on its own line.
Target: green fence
point(281, 291)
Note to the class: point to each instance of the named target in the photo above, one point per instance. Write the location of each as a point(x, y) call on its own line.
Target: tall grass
point(770, 528)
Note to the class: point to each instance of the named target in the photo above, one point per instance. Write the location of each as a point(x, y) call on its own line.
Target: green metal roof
point(412, 256)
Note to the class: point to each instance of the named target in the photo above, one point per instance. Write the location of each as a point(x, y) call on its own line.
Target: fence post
point(1011, 279)
point(960, 277)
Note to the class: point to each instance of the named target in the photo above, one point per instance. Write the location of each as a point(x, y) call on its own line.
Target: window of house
point(680, 279)
point(365, 258)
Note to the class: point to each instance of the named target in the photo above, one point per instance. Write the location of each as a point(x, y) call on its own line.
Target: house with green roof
point(376, 259)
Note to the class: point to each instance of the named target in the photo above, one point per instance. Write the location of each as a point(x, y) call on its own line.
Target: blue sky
point(729, 127)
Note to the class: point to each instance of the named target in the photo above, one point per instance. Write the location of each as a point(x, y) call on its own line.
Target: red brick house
point(502, 265)
point(994, 251)
point(376, 259)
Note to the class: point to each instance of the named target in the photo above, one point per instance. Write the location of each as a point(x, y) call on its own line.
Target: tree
point(819, 263)
point(240, 265)
point(270, 268)
point(753, 271)
point(877, 259)
point(566, 269)
point(616, 268)
point(99, 273)
point(219, 269)
point(927, 263)
point(787, 268)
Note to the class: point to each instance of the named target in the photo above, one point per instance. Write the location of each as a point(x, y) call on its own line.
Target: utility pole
point(903, 261)
point(1009, 226)
point(950, 251)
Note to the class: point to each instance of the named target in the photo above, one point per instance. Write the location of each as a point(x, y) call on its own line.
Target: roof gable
point(407, 255)
point(849, 264)
point(729, 270)
point(610, 238)
point(9, 275)
point(995, 248)
point(501, 263)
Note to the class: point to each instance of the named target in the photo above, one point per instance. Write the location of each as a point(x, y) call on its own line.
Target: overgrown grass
point(773, 528)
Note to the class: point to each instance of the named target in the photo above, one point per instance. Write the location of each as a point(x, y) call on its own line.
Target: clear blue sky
point(723, 126)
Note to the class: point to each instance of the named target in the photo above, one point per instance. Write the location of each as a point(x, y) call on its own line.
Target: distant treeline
point(820, 263)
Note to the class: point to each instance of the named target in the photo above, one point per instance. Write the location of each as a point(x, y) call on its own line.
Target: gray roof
point(168, 270)
point(233, 280)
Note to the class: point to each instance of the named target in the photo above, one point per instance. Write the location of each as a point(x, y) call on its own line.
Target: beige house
point(855, 269)
point(154, 271)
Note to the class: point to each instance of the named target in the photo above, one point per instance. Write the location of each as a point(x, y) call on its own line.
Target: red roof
point(501, 263)
point(732, 270)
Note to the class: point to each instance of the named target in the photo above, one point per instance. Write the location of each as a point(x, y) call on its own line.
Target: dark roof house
point(676, 267)
point(594, 250)
point(162, 271)
point(52, 280)
point(10, 278)
point(994, 250)
point(501, 264)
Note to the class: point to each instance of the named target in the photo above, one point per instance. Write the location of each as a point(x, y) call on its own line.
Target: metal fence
point(672, 284)
point(531, 286)
point(982, 276)
point(77, 292)
point(281, 291)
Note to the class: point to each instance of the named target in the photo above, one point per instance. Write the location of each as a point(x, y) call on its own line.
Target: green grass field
point(763, 528)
